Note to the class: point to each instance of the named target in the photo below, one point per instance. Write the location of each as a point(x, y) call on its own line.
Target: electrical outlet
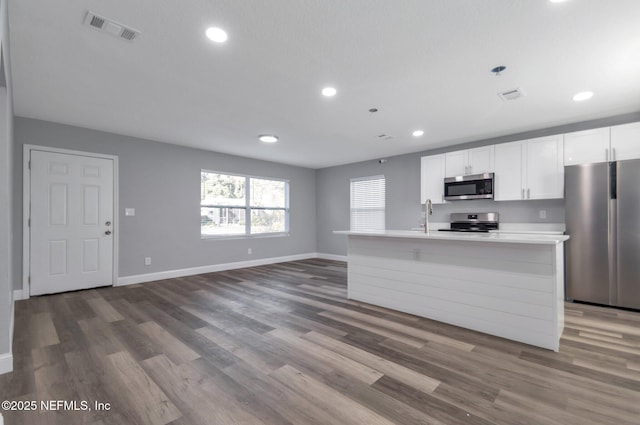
point(249, 251)
point(543, 214)
point(147, 261)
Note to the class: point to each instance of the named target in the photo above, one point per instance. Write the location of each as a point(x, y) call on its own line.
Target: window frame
point(248, 208)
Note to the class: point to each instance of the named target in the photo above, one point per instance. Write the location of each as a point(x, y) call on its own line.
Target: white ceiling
point(423, 63)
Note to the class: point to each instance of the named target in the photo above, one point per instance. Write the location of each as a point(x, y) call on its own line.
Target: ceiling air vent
point(102, 24)
point(512, 94)
point(97, 22)
point(128, 34)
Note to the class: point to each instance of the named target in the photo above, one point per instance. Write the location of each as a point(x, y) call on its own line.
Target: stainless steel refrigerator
point(602, 207)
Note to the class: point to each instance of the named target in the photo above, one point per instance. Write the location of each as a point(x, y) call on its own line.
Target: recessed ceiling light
point(557, 1)
point(329, 91)
point(583, 96)
point(418, 133)
point(268, 138)
point(216, 34)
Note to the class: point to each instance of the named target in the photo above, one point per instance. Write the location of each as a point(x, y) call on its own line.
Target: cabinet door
point(481, 160)
point(586, 147)
point(508, 171)
point(544, 168)
point(432, 178)
point(456, 163)
point(625, 141)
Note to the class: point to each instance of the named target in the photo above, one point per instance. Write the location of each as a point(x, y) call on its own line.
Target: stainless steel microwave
point(475, 186)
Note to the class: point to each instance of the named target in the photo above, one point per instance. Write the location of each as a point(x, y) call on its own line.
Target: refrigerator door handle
point(613, 180)
point(613, 252)
point(613, 232)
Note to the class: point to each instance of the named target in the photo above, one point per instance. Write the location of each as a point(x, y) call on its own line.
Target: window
point(233, 205)
point(367, 203)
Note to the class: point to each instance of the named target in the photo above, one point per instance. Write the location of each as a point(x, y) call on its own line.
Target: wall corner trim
point(150, 277)
point(6, 363)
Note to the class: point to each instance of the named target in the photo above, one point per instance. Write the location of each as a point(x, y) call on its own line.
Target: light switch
point(129, 212)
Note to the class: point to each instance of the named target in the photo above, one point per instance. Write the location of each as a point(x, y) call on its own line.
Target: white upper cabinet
point(534, 168)
point(457, 163)
point(585, 147)
point(529, 169)
point(432, 178)
point(544, 168)
point(469, 161)
point(509, 172)
point(481, 160)
point(602, 144)
point(625, 142)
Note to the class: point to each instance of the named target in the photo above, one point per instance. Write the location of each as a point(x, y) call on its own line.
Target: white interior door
point(71, 232)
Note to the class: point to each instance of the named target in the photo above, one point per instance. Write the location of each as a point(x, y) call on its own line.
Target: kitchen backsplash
point(510, 211)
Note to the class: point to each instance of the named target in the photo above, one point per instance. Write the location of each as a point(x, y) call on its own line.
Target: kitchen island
point(508, 285)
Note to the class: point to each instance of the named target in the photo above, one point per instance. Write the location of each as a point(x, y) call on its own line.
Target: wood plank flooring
point(281, 344)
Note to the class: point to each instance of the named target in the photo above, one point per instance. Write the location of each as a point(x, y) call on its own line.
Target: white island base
point(511, 286)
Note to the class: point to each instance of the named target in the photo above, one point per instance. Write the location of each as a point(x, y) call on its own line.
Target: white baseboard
point(150, 277)
point(332, 257)
point(6, 363)
point(18, 295)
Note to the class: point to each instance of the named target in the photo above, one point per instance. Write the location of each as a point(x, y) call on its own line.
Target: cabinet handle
point(606, 155)
point(613, 154)
point(523, 193)
point(528, 193)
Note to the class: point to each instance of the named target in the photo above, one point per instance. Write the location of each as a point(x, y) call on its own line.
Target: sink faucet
point(428, 210)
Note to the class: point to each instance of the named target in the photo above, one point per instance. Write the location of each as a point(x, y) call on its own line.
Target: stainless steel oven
point(475, 186)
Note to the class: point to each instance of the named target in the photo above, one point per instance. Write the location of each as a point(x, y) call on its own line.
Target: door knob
point(108, 223)
point(108, 232)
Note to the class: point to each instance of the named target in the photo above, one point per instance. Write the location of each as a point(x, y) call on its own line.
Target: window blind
point(367, 203)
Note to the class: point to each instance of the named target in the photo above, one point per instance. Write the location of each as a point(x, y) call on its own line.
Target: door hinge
point(29, 164)
point(29, 279)
point(29, 222)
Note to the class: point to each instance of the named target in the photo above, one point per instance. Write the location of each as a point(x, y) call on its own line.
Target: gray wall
point(162, 182)
point(6, 147)
point(402, 175)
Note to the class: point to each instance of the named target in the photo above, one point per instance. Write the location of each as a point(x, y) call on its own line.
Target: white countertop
point(526, 238)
